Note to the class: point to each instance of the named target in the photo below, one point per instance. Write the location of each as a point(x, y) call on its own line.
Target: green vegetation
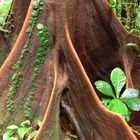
point(5, 6)
point(42, 51)
point(15, 81)
point(39, 61)
point(24, 131)
point(128, 11)
point(120, 103)
point(16, 77)
point(27, 131)
point(29, 101)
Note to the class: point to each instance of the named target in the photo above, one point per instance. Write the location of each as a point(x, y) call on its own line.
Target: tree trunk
point(86, 42)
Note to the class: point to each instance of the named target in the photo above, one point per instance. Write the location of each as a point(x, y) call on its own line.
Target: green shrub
point(119, 103)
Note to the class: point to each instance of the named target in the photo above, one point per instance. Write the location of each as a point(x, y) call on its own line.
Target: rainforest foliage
point(128, 11)
point(5, 6)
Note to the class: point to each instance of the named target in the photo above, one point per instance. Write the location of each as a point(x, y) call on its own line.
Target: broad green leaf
point(132, 103)
point(22, 131)
point(8, 134)
point(118, 80)
point(104, 88)
point(106, 101)
point(118, 106)
point(130, 93)
point(12, 127)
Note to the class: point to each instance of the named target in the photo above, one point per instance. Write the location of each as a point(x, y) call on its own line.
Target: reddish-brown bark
point(87, 42)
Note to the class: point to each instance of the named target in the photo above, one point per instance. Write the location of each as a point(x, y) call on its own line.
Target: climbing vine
point(29, 101)
point(15, 81)
point(16, 77)
point(44, 44)
point(39, 61)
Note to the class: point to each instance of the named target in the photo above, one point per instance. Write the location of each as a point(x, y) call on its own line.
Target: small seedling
point(24, 131)
point(119, 103)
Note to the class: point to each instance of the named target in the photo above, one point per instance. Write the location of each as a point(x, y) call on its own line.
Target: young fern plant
point(124, 103)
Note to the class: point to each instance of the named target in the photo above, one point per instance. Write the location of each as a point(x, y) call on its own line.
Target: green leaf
point(41, 3)
point(118, 80)
point(118, 106)
point(106, 101)
point(29, 30)
point(8, 134)
point(40, 26)
point(132, 103)
point(40, 10)
point(130, 93)
point(22, 131)
point(35, 5)
point(35, 14)
point(104, 88)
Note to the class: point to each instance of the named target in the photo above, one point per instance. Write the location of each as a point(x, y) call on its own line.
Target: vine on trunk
point(37, 11)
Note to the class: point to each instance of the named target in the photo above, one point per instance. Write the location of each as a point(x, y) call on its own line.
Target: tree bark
point(86, 42)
